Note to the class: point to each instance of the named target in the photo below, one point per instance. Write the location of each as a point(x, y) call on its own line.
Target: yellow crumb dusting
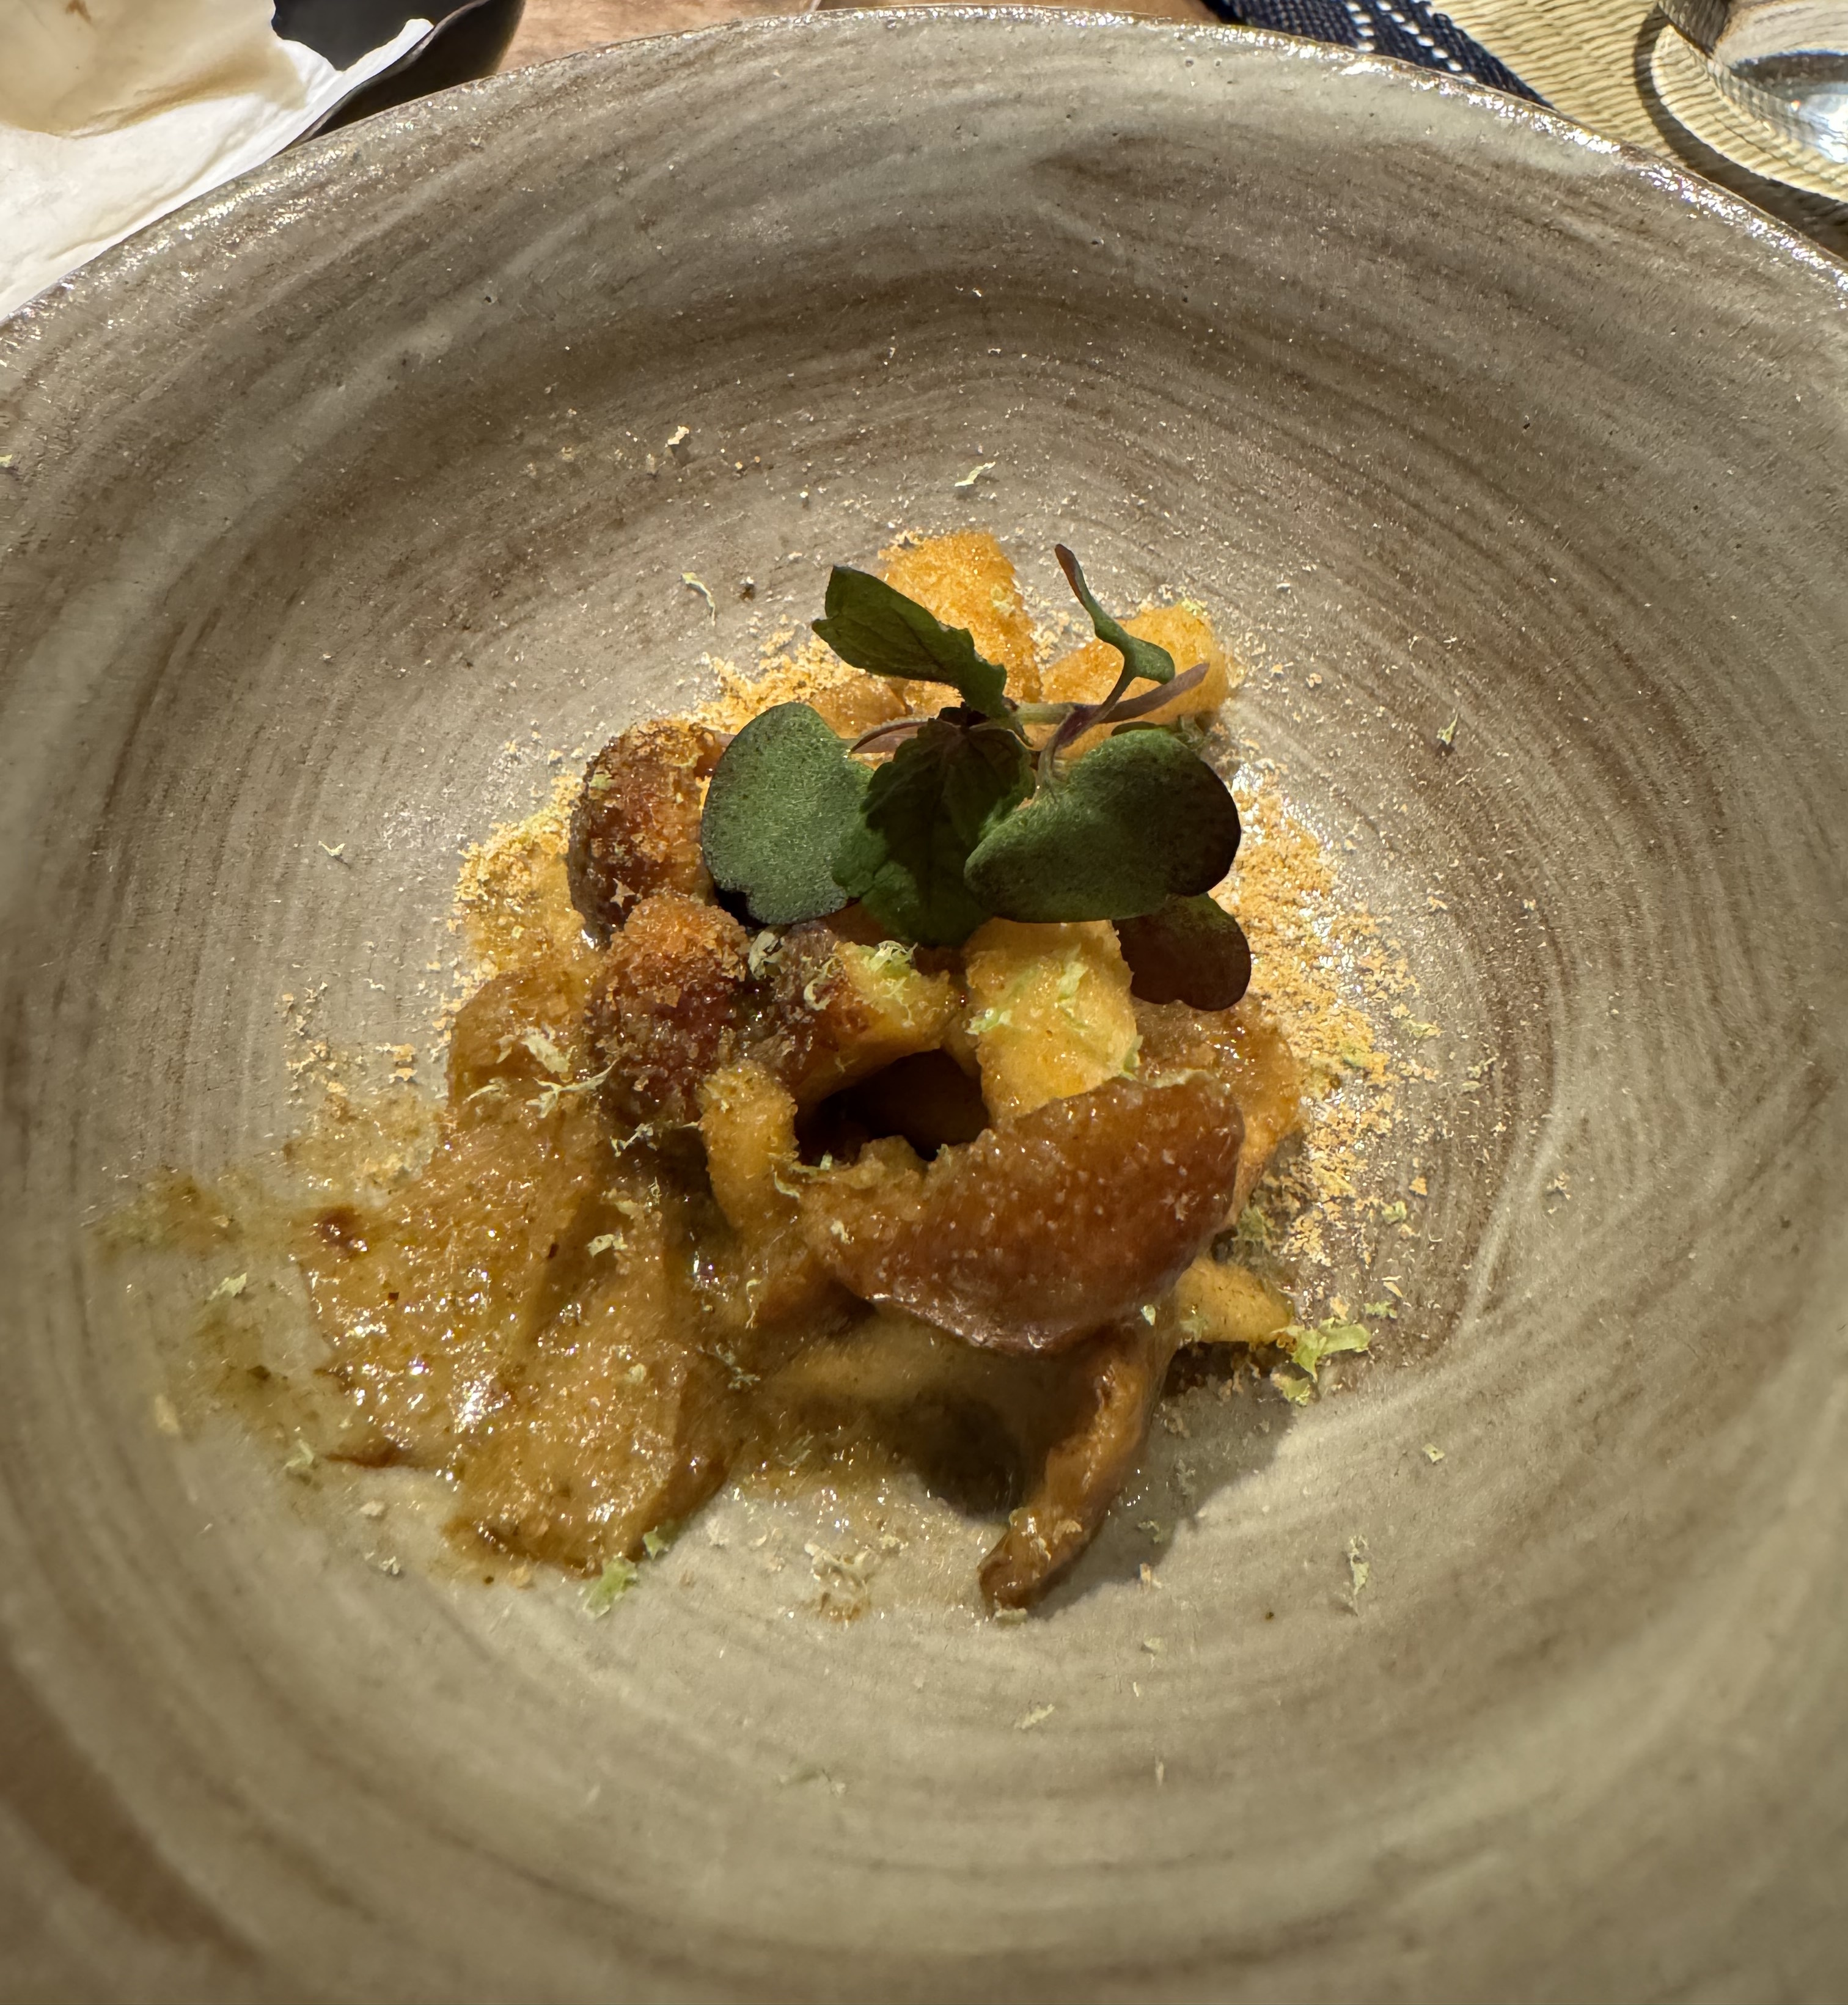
point(1319, 967)
point(801, 669)
point(513, 905)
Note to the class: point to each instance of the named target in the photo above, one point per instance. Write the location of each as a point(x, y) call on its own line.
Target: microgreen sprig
point(962, 822)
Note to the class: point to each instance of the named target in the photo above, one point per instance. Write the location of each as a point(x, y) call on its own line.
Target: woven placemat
point(1619, 66)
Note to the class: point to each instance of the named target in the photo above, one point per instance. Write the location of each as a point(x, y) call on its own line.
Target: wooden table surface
point(556, 27)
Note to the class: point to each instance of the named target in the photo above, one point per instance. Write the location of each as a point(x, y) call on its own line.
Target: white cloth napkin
point(113, 112)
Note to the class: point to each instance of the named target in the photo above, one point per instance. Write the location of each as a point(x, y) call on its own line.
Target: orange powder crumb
point(513, 905)
point(1318, 966)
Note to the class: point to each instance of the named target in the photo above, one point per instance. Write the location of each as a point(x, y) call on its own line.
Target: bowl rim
point(272, 180)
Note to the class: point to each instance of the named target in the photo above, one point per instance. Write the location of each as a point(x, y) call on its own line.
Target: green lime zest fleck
point(1305, 1351)
point(618, 1576)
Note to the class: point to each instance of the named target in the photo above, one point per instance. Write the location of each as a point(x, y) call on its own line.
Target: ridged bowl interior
point(328, 512)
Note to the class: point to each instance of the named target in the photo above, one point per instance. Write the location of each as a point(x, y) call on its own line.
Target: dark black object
point(467, 41)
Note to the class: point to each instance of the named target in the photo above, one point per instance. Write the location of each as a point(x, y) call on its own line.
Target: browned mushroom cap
point(1116, 1377)
point(663, 1011)
point(1045, 1228)
point(635, 828)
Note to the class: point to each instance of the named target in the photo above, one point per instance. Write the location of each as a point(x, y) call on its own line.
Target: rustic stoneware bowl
point(328, 510)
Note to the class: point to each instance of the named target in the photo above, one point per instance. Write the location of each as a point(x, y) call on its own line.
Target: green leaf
point(610, 1586)
point(1308, 1347)
point(875, 628)
point(1138, 821)
point(781, 797)
point(1141, 659)
point(925, 810)
point(1189, 951)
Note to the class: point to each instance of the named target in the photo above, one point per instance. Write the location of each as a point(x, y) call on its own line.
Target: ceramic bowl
point(334, 502)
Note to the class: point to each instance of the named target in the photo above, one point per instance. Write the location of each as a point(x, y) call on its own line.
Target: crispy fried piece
point(1220, 1302)
point(747, 1121)
point(1089, 673)
point(966, 580)
point(1047, 1226)
point(521, 1030)
point(1116, 1379)
point(664, 1010)
point(635, 828)
point(837, 1011)
point(618, 1423)
point(1247, 1049)
point(1049, 1009)
point(959, 1043)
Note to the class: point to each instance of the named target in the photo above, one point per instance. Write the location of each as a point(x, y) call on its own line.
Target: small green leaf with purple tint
point(1189, 951)
point(872, 625)
point(1142, 659)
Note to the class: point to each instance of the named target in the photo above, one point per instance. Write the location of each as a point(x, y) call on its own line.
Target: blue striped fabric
point(1410, 29)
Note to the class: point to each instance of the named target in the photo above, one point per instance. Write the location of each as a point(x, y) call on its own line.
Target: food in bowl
point(894, 1067)
point(863, 1077)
